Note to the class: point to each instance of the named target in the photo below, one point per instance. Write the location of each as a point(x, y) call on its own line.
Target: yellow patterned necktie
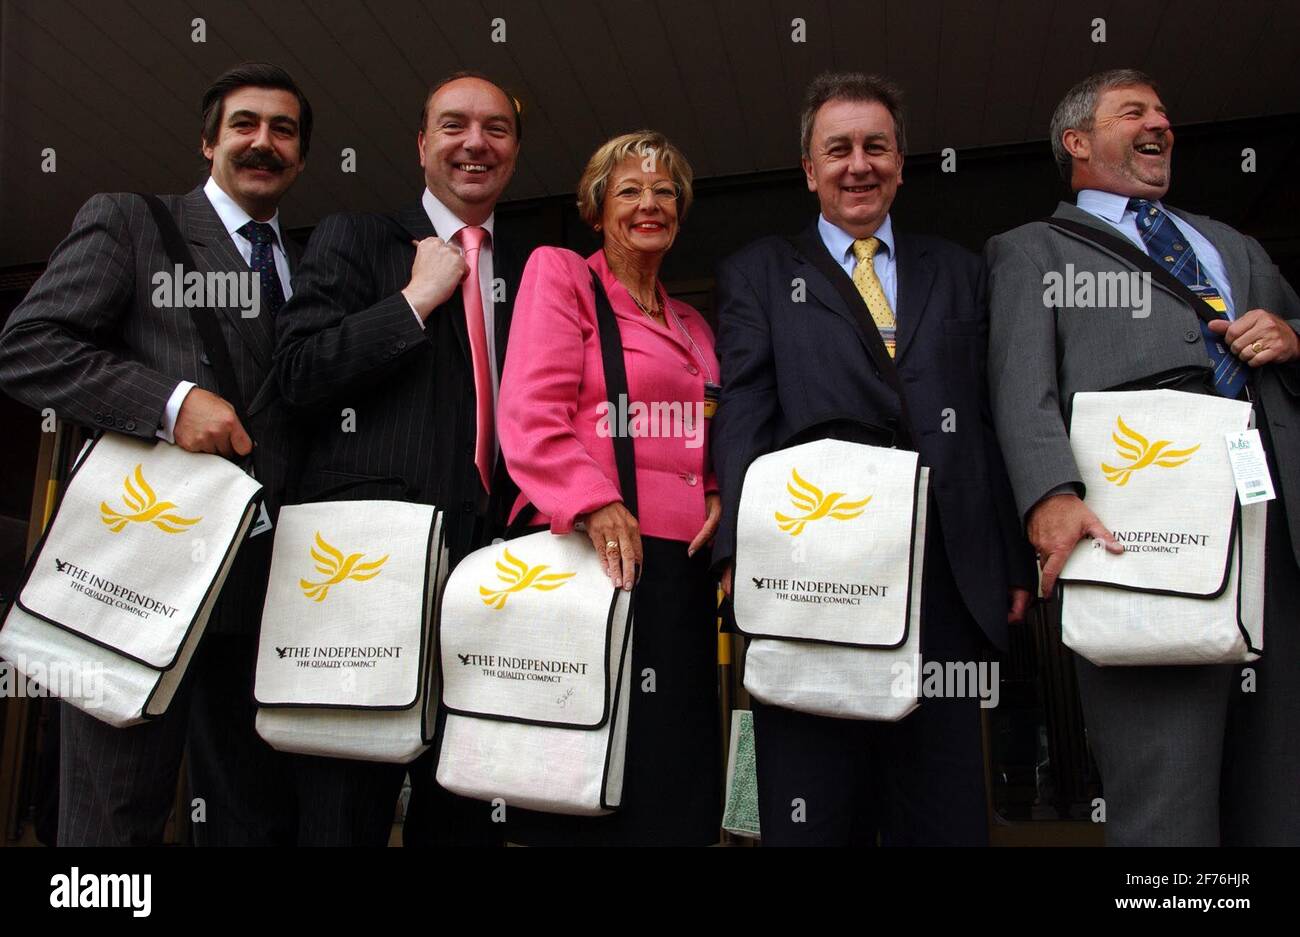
point(873, 294)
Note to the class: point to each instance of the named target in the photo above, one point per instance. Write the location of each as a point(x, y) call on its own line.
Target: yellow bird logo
point(1141, 453)
point(331, 562)
point(815, 505)
point(145, 508)
point(518, 576)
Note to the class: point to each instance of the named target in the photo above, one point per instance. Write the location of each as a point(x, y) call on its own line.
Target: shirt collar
point(1108, 205)
point(840, 242)
point(445, 223)
point(231, 215)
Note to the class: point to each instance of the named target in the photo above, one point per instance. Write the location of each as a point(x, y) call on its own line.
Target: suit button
point(120, 424)
point(1191, 335)
point(401, 344)
point(1211, 362)
point(203, 358)
point(690, 478)
point(692, 369)
point(130, 425)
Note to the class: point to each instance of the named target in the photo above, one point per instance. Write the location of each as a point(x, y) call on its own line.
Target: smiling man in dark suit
point(792, 362)
point(90, 342)
point(395, 340)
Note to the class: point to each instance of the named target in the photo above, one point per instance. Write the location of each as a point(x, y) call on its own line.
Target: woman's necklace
point(654, 315)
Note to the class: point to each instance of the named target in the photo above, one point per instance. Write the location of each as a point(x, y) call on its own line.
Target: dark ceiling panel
point(965, 67)
point(752, 47)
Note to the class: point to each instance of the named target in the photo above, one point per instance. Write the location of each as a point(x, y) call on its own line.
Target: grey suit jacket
point(1040, 355)
point(88, 343)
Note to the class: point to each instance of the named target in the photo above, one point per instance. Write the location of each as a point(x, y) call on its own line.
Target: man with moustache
point(1188, 755)
point(401, 322)
point(794, 365)
point(88, 342)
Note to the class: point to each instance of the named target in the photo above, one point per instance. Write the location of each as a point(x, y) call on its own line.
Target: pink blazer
point(549, 418)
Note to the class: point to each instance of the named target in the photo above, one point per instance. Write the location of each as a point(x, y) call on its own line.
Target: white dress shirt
point(233, 217)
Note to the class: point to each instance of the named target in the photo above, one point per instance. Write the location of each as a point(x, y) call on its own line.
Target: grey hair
point(851, 86)
point(1079, 107)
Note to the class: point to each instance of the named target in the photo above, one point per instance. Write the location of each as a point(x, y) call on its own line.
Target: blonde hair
point(643, 144)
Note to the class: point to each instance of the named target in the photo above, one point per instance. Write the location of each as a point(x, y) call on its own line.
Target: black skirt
point(672, 786)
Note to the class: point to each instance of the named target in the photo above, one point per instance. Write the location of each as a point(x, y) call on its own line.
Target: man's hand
point(713, 505)
point(726, 581)
point(437, 271)
point(616, 535)
point(1056, 524)
point(1019, 605)
point(1258, 338)
point(207, 423)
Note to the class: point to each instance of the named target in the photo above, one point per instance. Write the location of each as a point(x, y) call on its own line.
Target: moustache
point(258, 159)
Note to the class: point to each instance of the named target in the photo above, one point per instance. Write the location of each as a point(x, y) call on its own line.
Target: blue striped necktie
point(262, 237)
point(1172, 251)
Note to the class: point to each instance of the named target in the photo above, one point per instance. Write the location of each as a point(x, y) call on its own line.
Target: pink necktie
point(471, 239)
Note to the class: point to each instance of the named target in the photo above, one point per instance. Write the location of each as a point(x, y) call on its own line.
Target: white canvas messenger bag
point(536, 655)
point(1189, 588)
point(119, 590)
point(344, 654)
point(535, 649)
point(830, 541)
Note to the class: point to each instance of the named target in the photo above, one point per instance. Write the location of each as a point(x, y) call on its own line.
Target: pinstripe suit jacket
point(88, 342)
point(1040, 356)
point(393, 409)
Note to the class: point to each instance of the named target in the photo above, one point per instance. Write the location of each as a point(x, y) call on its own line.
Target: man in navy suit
point(796, 318)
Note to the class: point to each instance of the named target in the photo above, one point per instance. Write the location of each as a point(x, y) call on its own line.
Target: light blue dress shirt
point(1114, 210)
point(840, 244)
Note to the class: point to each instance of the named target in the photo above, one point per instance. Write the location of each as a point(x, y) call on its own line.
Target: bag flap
point(526, 633)
point(824, 544)
point(1156, 470)
point(348, 605)
point(138, 541)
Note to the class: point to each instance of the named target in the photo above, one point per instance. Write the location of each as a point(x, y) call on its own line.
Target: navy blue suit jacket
point(788, 365)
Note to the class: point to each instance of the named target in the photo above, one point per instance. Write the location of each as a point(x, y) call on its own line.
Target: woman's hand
point(616, 536)
point(713, 505)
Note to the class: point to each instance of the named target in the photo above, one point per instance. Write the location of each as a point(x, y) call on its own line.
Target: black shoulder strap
point(205, 320)
point(1140, 259)
point(825, 263)
point(611, 356)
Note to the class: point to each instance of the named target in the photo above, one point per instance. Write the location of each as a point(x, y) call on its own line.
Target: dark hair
point(467, 73)
point(1079, 107)
point(253, 75)
point(851, 86)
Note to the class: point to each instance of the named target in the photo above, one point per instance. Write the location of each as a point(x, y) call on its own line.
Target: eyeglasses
point(662, 192)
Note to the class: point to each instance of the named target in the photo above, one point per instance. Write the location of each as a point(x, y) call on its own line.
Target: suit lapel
point(1074, 213)
point(827, 281)
point(915, 278)
point(215, 252)
point(417, 226)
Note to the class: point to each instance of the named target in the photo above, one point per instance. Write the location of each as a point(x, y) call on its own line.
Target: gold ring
point(1257, 347)
point(611, 546)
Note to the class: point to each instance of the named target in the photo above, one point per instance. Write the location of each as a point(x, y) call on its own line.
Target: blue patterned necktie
point(1171, 250)
point(262, 236)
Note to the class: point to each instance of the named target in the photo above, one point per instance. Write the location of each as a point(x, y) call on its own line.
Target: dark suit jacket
point(350, 349)
point(788, 366)
point(88, 342)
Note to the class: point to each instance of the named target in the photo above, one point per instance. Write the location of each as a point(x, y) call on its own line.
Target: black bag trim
point(432, 559)
point(911, 575)
point(232, 547)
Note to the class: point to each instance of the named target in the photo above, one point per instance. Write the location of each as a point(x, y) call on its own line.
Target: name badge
point(711, 393)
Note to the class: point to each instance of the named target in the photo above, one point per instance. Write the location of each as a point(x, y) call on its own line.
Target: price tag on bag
point(1250, 467)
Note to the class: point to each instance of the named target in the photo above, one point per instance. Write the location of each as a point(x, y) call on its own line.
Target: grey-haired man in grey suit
point(90, 342)
point(1188, 755)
